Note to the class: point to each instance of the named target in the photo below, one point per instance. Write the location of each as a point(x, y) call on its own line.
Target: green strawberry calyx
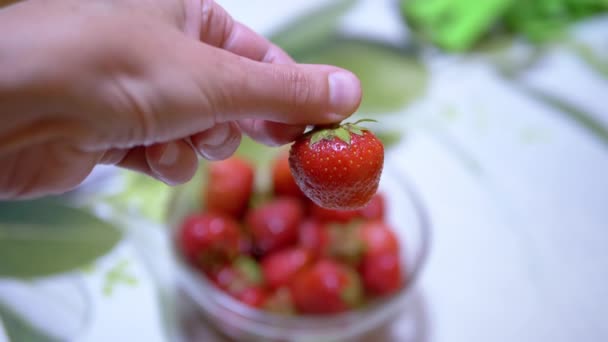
point(350, 248)
point(249, 269)
point(340, 131)
point(352, 294)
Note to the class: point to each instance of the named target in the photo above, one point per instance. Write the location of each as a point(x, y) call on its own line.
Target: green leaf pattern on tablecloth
point(116, 276)
point(43, 237)
point(19, 330)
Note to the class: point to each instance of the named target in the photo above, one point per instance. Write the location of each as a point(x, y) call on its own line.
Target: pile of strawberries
point(280, 252)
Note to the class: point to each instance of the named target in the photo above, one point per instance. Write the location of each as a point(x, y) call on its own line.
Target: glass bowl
point(408, 218)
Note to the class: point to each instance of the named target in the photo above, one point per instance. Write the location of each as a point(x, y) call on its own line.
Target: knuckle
point(227, 28)
point(215, 20)
point(132, 101)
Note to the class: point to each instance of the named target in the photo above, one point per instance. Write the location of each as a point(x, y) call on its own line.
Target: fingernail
point(344, 92)
point(169, 155)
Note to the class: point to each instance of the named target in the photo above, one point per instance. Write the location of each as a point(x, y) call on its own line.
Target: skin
point(148, 85)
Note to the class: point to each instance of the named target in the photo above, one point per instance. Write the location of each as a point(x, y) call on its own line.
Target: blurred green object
point(117, 275)
point(19, 330)
point(312, 27)
point(141, 195)
point(457, 25)
point(45, 237)
point(541, 20)
point(390, 77)
point(454, 25)
point(595, 60)
point(584, 120)
point(390, 138)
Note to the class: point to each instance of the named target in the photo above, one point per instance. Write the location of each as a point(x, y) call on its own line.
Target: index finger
point(219, 29)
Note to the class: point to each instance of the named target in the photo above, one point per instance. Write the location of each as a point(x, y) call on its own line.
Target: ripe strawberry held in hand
point(338, 167)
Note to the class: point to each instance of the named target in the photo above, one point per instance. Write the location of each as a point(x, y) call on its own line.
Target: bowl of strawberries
point(264, 262)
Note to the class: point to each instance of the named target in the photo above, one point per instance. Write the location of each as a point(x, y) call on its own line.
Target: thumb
point(286, 93)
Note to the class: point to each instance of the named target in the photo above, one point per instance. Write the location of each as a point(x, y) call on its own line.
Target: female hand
point(146, 85)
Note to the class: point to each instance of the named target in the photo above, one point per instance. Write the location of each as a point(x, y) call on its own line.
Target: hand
point(146, 85)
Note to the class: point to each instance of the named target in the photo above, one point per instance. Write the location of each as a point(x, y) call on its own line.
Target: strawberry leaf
point(250, 270)
point(355, 130)
point(363, 120)
point(346, 245)
point(342, 134)
point(316, 137)
point(352, 293)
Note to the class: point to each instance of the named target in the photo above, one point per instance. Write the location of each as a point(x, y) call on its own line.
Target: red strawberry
point(375, 209)
point(223, 276)
point(229, 186)
point(245, 245)
point(331, 215)
point(283, 183)
point(253, 296)
point(381, 273)
point(234, 278)
point(279, 268)
point(315, 237)
point(345, 243)
point(274, 225)
point(209, 239)
point(338, 241)
point(378, 237)
point(280, 301)
point(338, 167)
point(326, 287)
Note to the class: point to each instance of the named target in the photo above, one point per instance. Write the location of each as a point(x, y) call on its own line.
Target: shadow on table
point(412, 324)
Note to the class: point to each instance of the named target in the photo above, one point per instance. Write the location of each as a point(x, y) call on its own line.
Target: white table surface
point(519, 244)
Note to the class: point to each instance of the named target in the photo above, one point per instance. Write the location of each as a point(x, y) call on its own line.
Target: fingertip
point(219, 142)
point(173, 162)
point(214, 136)
point(345, 94)
point(271, 133)
point(310, 94)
